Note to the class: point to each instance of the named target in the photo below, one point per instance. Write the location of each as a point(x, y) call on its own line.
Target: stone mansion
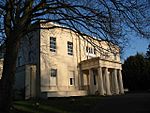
point(59, 63)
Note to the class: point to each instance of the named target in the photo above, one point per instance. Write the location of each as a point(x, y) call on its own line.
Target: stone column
point(107, 82)
point(104, 82)
point(120, 82)
point(100, 81)
point(91, 80)
point(115, 81)
point(80, 77)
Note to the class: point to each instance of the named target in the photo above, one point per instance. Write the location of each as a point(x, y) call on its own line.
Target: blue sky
point(136, 45)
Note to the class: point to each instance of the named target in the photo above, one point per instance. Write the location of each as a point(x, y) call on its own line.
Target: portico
point(101, 76)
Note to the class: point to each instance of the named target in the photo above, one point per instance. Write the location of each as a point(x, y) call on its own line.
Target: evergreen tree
point(148, 52)
point(136, 72)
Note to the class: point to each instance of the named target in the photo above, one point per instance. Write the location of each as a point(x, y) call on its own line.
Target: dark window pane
point(53, 72)
point(70, 48)
point(52, 44)
point(71, 81)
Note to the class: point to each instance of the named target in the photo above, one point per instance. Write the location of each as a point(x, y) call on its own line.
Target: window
point(71, 78)
point(53, 72)
point(53, 44)
point(53, 77)
point(71, 81)
point(70, 48)
point(90, 50)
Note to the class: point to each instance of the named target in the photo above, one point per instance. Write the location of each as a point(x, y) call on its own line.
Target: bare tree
point(108, 20)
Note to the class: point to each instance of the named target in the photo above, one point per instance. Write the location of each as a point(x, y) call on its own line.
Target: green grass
point(57, 105)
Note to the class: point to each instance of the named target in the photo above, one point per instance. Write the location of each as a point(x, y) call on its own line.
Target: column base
point(109, 94)
point(121, 93)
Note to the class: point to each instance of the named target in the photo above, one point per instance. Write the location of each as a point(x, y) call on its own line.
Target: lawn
point(128, 103)
point(57, 105)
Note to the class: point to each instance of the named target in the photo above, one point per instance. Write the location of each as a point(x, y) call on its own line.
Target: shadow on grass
point(57, 105)
point(130, 103)
point(31, 107)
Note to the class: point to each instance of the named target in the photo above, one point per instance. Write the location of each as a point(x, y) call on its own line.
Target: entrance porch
point(102, 77)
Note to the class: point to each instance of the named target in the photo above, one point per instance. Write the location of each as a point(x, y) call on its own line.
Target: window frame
point(52, 71)
point(70, 48)
point(71, 78)
point(52, 44)
point(90, 52)
point(71, 81)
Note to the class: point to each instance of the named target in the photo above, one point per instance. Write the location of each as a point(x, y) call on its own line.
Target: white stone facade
point(70, 65)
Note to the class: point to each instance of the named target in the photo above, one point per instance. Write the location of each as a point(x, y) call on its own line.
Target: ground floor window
point(71, 81)
point(53, 72)
point(71, 78)
point(53, 77)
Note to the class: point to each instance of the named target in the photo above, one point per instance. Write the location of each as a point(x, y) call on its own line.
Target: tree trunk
point(8, 75)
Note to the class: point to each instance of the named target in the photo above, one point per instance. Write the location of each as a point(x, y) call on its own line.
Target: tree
point(107, 20)
point(136, 74)
point(148, 52)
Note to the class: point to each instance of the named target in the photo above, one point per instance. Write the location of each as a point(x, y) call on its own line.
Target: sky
point(135, 45)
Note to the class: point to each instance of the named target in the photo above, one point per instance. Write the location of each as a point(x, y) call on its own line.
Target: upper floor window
point(90, 50)
point(70, 48)
point(53, 44)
